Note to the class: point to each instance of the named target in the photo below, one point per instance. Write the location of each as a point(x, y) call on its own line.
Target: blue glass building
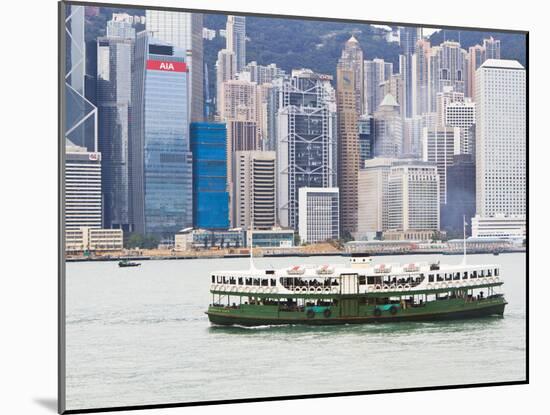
point(210, 195)
point(161, 161)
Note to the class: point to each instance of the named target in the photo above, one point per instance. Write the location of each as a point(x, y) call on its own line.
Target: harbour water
point(139, 336)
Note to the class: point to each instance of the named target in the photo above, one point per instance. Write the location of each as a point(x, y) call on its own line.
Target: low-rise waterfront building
point(270, 238)
point(189, 238)
point(93, 240)
point(499, 226)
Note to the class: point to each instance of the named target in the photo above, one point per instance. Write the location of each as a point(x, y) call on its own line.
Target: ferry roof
point(310, 270)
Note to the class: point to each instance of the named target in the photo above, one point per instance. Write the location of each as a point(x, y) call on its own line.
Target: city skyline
point(423, 107)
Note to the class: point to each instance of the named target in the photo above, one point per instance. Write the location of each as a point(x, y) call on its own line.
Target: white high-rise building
point(184, 31)
point(226, 67)
point(372, 197)
point(376, 73)
point(238, 100)
point(254, 189)
point(319, 214)
point(413, 196)
point(463, 116)
point(83, 200)
point(501, 138)
point(420, 73)
point(261, 74)
point(236, 39)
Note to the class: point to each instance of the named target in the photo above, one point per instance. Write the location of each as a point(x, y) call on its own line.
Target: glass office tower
point(161, 161)
point(210, 195)
point(114, 62)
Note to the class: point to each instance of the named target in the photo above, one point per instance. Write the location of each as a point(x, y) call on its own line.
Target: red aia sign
point(166, 66)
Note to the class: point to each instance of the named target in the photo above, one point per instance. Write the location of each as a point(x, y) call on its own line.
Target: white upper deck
point(361, 275)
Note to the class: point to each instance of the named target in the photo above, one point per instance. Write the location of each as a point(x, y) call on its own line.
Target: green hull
point(350, 311)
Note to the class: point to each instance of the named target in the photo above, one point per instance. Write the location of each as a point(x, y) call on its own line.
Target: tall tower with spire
point(352, 59)
point(348, 147)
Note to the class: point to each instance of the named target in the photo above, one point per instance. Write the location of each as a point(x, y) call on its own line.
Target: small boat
point(126, 263)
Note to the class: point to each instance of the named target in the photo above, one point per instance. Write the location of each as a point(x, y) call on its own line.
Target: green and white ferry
point(361, 292)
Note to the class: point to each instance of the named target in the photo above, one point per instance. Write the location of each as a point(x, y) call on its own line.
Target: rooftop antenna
point(464, 238)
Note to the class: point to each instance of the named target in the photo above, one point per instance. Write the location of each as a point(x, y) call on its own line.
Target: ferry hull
point(465, 312)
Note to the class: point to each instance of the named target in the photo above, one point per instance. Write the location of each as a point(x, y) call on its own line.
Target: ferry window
point(223, 279)
point(256, 281)
point(489, 273)
point(362, 280)
point(496, 272)
point(219, 279)
point(240, 281)
point(465, 275)
point(439, 277)
point(273, 282)
point(474, 274)
point(481, 273)
point(448, 277)
point(370, 280)
point(457, 276)
point(431, 278)
point(213, 279)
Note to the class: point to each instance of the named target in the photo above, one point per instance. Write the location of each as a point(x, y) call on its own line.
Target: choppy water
point(138, 336)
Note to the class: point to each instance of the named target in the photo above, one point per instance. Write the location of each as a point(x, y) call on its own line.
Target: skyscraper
point(500, 138)
point(348, 147)
point(306, 139)
point(376, 73)
point(439, 146)
point(226, 67)
point(183, 30)
point(235, 33)
point(413, 197)
point(477, 55)
point(161, 161)
point(242, 135)
point(420, 73)
point(448, 68)
point(80, 113)
point(115, 54)
point(238, 100)
point(365, 125)
point(388, 129)
point(461, 194)
point(210, 195)
point(463, 115)
point(396, 88)
point(408, 36)
point(492, 48)
point(319, 214)
point(352, 58)
point(254, 190)
point(373, 198)
point(83, 201)
point(261, 74)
